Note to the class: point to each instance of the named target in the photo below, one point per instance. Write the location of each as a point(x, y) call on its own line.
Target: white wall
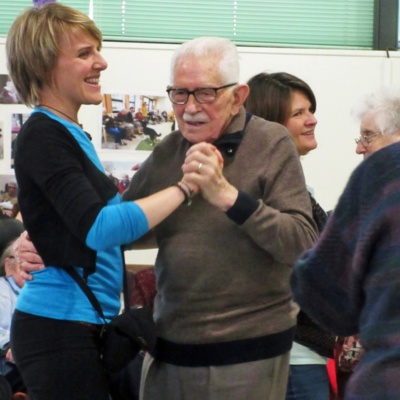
point(338, 79)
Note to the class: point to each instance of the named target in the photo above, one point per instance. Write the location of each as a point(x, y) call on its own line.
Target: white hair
point(384, 105)
point(208, 46)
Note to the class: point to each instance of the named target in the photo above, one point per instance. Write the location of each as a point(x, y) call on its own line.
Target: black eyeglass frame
point(193, 92)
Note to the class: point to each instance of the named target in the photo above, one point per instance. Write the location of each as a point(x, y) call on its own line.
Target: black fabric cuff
point(244, 206)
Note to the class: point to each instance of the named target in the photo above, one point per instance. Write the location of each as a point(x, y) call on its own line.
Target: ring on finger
point(199, 167)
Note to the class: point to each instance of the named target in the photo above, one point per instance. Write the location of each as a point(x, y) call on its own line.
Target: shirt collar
point(14, 287)
point(229, 142)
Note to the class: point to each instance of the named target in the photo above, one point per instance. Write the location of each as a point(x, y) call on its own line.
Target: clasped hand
point(203, 168)
point(203, 171)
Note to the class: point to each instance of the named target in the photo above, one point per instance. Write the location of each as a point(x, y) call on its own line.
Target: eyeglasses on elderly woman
point(365, 140)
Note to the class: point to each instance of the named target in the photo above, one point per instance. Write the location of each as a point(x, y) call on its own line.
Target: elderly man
point(9, 199)
point(10, 194)
point(223, 310)
point(11, 283)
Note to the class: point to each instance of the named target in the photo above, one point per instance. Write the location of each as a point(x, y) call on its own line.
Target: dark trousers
point(58, 359)
point(308, 382)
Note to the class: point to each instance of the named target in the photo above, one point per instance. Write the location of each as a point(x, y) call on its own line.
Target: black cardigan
point(61, 192)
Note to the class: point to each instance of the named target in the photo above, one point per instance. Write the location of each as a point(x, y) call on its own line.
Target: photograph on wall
point(135, 121)
point(1, 139)
point(8, 94)
point(121, 172)
point(8, 195)
point(17, 120)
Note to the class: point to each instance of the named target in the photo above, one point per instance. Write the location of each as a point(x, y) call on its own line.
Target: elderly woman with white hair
point(380, 121)
point(353, 271)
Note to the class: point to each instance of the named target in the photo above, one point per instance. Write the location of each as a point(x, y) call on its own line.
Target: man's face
point(12, 189)
point(203, 122)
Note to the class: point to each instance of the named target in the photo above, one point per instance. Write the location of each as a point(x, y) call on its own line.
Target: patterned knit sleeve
point(350, 280)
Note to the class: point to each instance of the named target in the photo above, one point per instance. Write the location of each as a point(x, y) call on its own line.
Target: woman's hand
point(27, 256)
point(203, 168)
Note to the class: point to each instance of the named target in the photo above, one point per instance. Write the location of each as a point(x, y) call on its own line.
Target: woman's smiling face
point(301, 123)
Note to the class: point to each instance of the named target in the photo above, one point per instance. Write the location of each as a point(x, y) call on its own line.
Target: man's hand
point(203, 167)
point(27, 256)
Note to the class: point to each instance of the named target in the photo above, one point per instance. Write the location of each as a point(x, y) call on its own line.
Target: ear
point(240, 95)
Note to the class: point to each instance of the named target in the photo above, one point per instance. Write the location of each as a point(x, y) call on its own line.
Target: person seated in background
point(139, 115)
point(130, 115)
point(288, 100)
point(125, 124)
point(137, 127)
point(8, 93)
point(11, 283)
point(9, 198)
point(352, 273)
point(123, 183)
point(113, 129)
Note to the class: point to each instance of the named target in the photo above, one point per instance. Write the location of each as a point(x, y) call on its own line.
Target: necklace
point(65, 115)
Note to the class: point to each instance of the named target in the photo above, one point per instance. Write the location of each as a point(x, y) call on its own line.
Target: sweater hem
point(224, 353)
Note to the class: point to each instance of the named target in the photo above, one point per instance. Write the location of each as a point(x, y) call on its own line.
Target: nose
point(100, 63)
point(360, 149)
point(311, 120)
point(191, 106)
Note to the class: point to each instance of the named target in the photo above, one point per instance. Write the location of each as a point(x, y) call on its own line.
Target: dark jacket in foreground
point(353, 274)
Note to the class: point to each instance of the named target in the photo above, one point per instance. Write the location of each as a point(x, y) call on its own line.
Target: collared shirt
point(9, 291)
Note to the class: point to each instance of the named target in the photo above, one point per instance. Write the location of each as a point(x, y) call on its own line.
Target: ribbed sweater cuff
point(244, 206)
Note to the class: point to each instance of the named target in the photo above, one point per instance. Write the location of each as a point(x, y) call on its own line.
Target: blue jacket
point(349, 282)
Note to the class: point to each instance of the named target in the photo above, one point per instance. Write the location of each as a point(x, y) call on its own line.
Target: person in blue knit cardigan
point(353, 271)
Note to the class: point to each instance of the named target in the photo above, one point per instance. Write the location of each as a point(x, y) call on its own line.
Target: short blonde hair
point(32, 45)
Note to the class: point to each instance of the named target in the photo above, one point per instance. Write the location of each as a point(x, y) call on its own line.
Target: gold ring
point(199, 167)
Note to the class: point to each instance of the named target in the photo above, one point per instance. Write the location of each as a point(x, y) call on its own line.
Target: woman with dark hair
point(284, 98)
point(288, 100)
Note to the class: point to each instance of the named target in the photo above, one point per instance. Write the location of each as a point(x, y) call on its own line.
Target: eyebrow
point(368, 132)
point(300, 109)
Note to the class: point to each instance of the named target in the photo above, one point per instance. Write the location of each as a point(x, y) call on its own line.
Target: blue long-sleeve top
point(349, 282)
point(75, 217)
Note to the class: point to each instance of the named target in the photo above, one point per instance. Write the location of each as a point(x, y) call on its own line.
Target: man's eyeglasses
point(365, 140)
point(202, 95)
